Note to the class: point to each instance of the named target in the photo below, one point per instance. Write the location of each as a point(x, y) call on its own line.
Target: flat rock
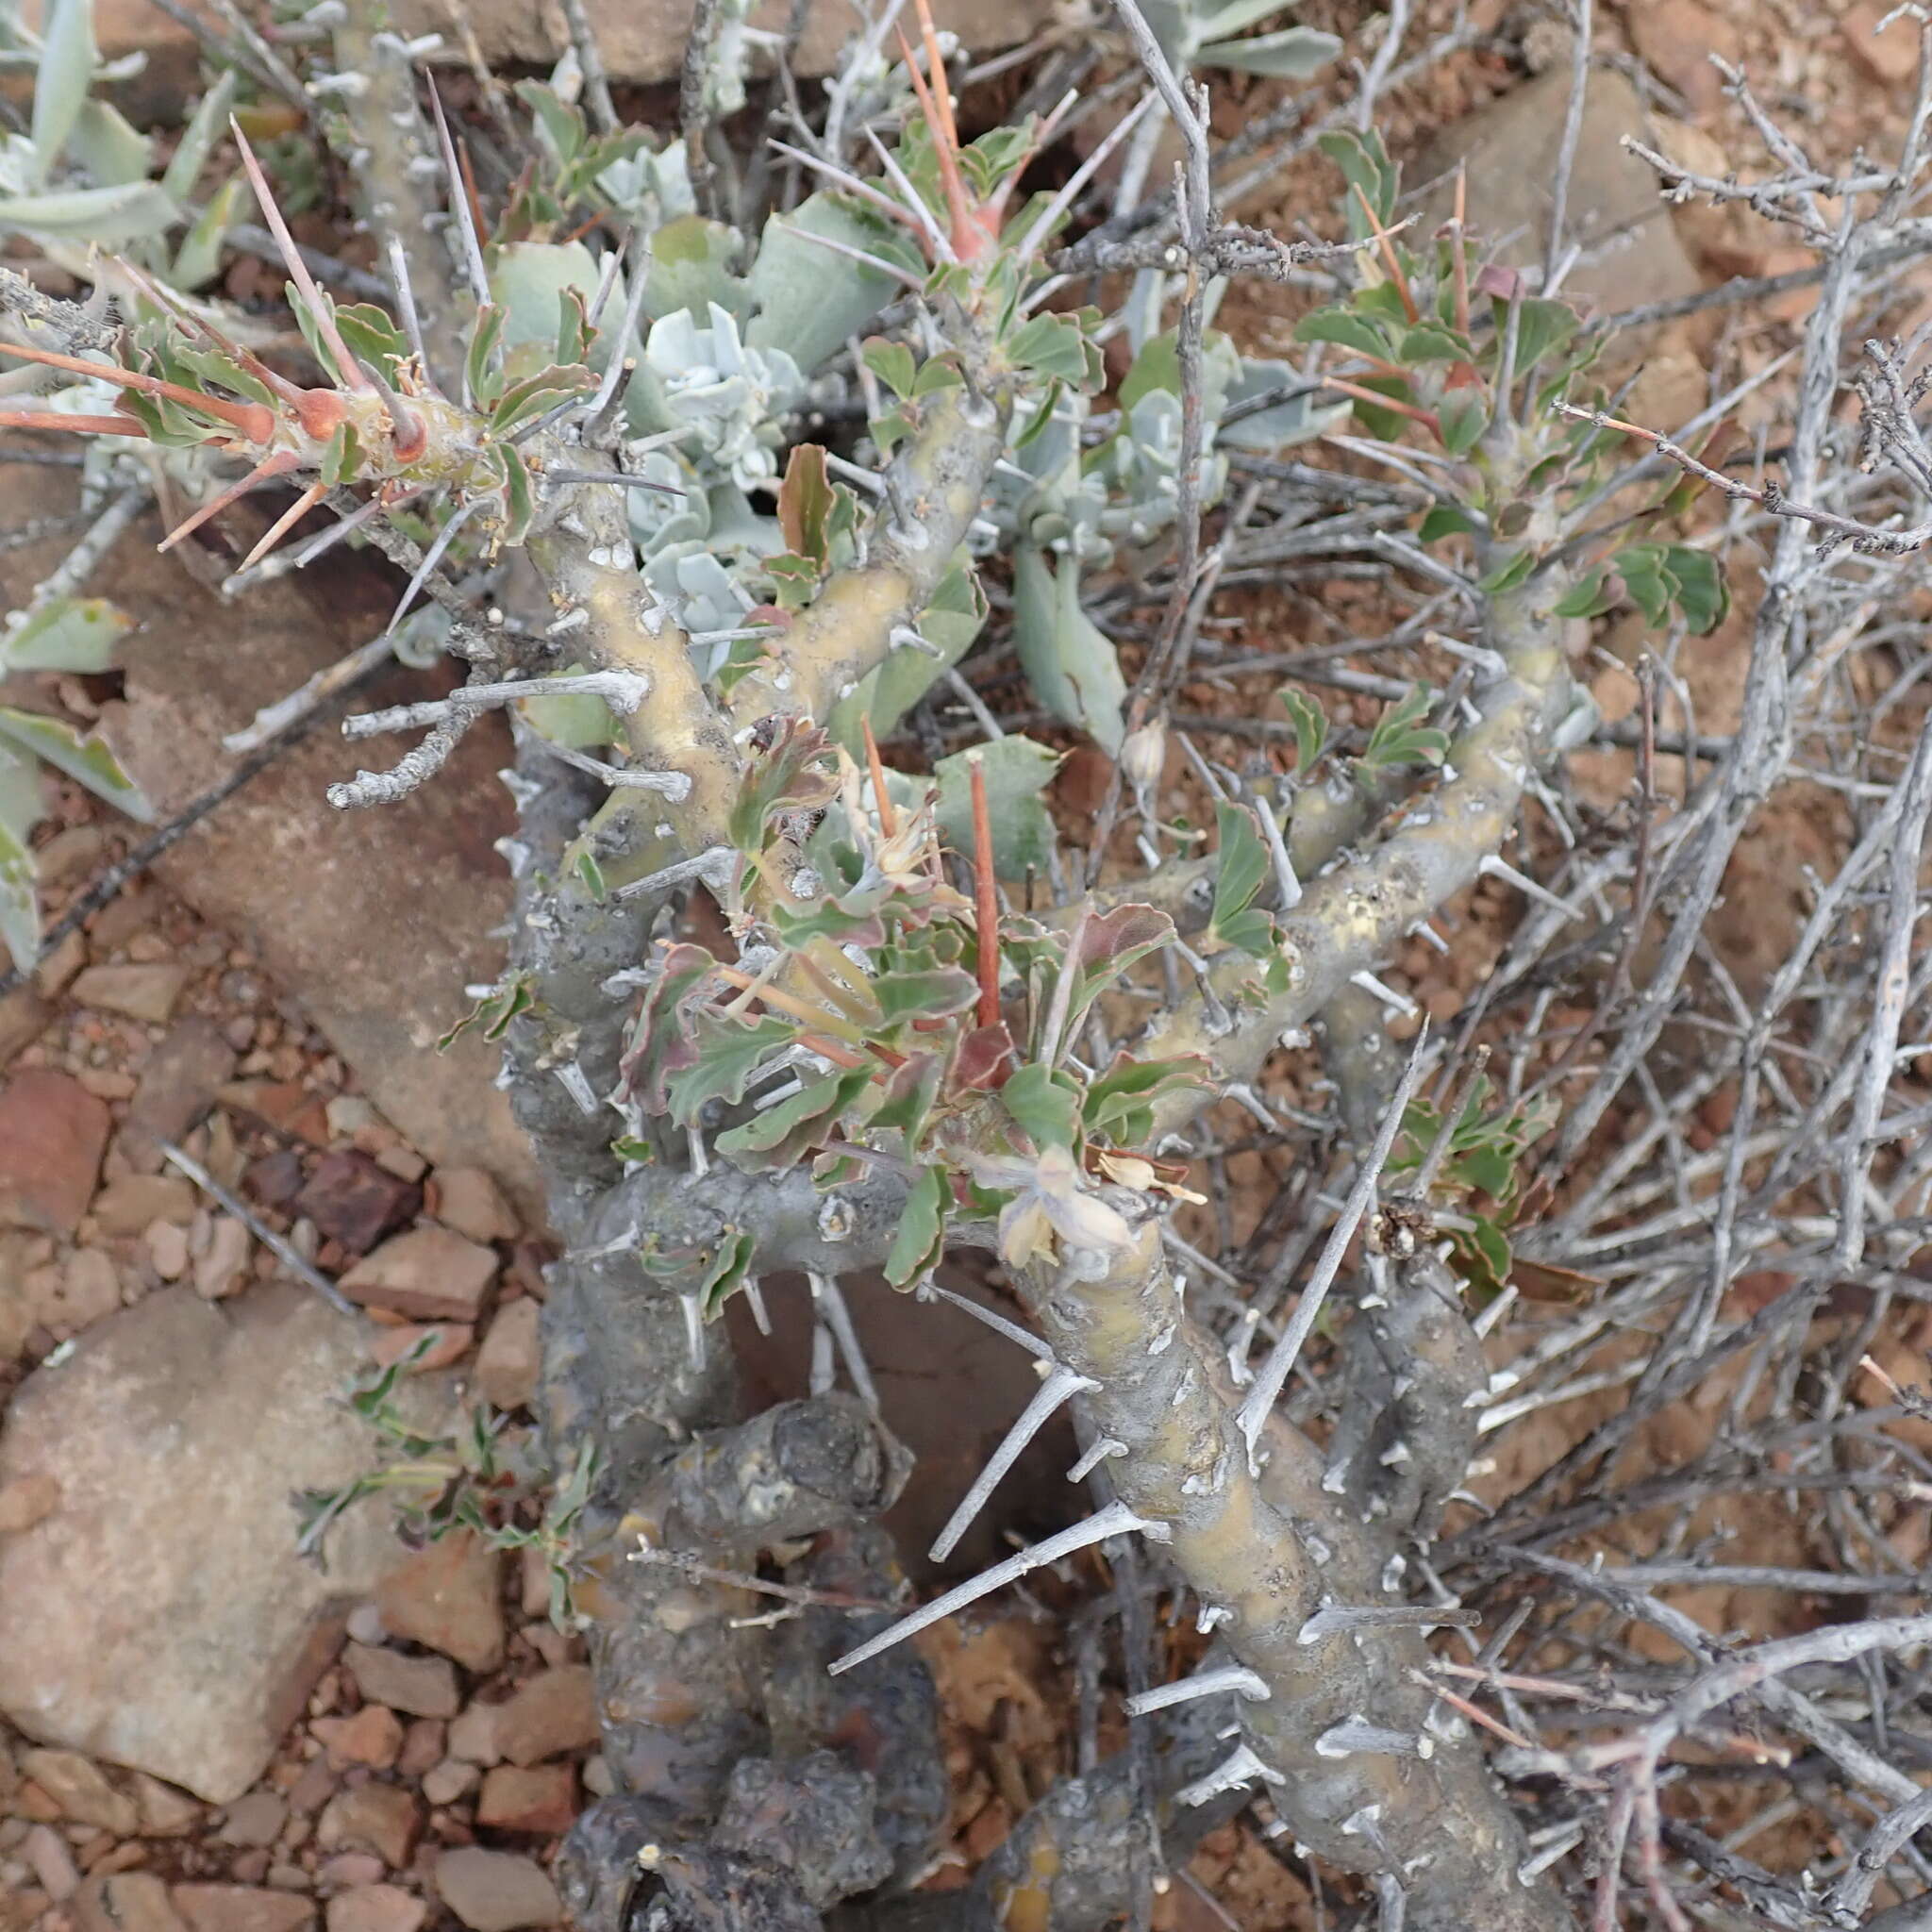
point(554, 1712)
point(126, 1902)
point(1632, 254)
point(644, 40)
point(220, 1269)
point(469, 1200)
point(497, 1891)
point(375, 920)
point(161, 1617)
point(178, 1083)
point(241, 1908)
point(542, 1798)
point(372, 1737)
point(255, 1819)
point(428, 1274)
point(375, 1908)
point(353, 1201)
point(82, 1791)
point(509, 1361)
point(447, 1596)
point(52, 1134)
point(423, 1686)
point(383, 1819)
point(145, 992)
point(131, 1202)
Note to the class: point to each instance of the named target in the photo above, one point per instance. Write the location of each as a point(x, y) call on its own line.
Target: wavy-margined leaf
point(1110, 943)
point(792, 775)
point(1068, 660)
point(85, 760)
point(922, 1234)
point(1016, 771)
point(68, 59)
point(1119, 1105)
point(68, 634)
point(1245, 864)
point(111, 216)
point(930, 992)
point(783, 1135)
point(1045, 1105)
point(729, 1270)
point(1402, 737)
point(726, 1053)
point(660, 1042)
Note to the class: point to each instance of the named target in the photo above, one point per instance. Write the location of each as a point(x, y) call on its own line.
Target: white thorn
point(1235, 1677)
point(1239, 1768)
point(1492, 867)
point(1115, 1520)
point(1061, 1383)
point(1399, 1001)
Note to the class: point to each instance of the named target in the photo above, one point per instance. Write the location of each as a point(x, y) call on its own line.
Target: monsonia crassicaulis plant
point(910, 1033)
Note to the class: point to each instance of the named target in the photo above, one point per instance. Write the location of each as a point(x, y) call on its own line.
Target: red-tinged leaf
point(662, 1040)
point(987, 1056)
point(1503, 284)
point(805, 503)
point(792, 773)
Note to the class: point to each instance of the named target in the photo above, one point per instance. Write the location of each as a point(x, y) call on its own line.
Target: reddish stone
point(52, 1134)
point(353, 1201)
point(428, 1274)
point(541, 1799)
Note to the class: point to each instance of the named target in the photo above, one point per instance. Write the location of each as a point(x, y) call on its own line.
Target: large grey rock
point(1632, 253)
point(160, 1617)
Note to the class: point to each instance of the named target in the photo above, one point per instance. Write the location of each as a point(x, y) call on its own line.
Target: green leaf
point(1445, 520)
point(1293, 53)
point(519, 493)
point(198, 260)
point(790, 775)
point(1542, 327)
point(1509, 574)
point(910, 1093)
point(1365, 164)
point(1053, 345)
point(662, 1038)
point(66, 634)
point(481, 362)
point(523, 402)
point(206, 127)
point(1245, 863)
point(891, 362)
point(492, 1014)
point(67, 70)
point(1426, 342)
point(1348, 330)
point(1016, 771)
point(727, 1273)
point(933, 992)
point(781, 1136)
point(806, 502)
point(1702, 594)
point(1110, 945)
point(921, 1234)
point(591, 873)
point(1401, 738)
point(1588, 598)
point(343, 456)
point(1119, 1105)
point(729, 1052)
point(1641, 567)
point(809, 300)
point(111, 216)
point(1463, 414)
point(1068, 660)
point(1489, 1245)
point(85, 760)
point(1310, 727)
point(1045, 1105)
